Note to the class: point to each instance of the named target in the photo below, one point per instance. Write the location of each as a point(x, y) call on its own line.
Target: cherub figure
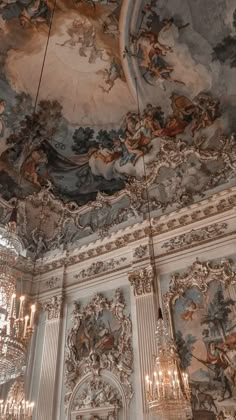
point(190, 308)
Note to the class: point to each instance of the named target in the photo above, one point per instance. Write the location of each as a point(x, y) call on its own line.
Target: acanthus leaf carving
point(142, 281)
point(140, 252)
point(195, 236)
point(100, 267)
point(53, 307)
point(52, 282)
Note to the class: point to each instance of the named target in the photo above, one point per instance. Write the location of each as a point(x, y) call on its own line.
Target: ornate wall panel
point(201, 306)
point(99, 359)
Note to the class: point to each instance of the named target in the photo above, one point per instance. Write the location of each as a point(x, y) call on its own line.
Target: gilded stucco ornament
point(100, 341)
point(142, 281)
point(140, 252)
point(64, 223)
point(96, 393)
point(204, 299)
point(200, 275)
point(223, 202)
point(195, 236)
point(53, 307)
point(51, 282)
point(103, 215)
point(99, 267)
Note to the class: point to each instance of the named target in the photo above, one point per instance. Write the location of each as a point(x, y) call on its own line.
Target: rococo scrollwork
point(195, 236)
point(100, 340)
point(99, 267)
point(200, 306)
point(96, 392)
point(200, 275)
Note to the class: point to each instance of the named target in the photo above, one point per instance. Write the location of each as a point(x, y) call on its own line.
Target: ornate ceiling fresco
point(72, 138)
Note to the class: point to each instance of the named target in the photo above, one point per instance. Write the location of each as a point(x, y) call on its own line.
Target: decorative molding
point(99, 267)
point(217, 204)
point(51, 283)
point(25, 265)
point(140, 252)
point(90, 357)
point(171, 155)
point(53, 307)
point(96, 392)
point(142, 281)
point(194, 236)
point(103, 225)
point(200, 275)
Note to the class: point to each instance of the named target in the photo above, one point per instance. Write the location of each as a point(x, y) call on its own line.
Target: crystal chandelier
point(167, 390)
point(16, 325)
point(15, 407)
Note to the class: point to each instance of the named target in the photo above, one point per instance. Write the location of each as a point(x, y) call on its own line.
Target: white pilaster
point(142, 280)
point(47, 386)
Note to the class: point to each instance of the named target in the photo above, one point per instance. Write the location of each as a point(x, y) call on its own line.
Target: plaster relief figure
point(97, 393)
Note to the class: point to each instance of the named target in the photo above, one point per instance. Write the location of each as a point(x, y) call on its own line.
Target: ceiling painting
point(76, 128)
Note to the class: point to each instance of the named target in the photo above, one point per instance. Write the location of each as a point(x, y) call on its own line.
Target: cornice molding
point(219, 203)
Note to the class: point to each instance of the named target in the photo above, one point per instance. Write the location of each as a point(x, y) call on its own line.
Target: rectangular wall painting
point(204, 326)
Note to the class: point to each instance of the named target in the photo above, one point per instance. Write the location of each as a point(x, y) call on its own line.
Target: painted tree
point(106, 138)
point(83, 140)
point(185, 348)
point(225, 51)
point(218, 312)
point(234, 19)
point(35, 128)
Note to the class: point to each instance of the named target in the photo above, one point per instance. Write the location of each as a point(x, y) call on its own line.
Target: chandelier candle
point(15, 407)
point(25, 325)
point(12, 310)
point(20, 316)
point(33, 309)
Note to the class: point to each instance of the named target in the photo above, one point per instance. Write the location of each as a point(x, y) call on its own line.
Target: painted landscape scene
point(205, 333)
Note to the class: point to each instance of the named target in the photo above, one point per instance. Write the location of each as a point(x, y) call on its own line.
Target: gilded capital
point(53, 307)
point(142, 281)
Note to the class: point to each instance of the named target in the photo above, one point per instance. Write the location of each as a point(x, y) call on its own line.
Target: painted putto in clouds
point(117, 90)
